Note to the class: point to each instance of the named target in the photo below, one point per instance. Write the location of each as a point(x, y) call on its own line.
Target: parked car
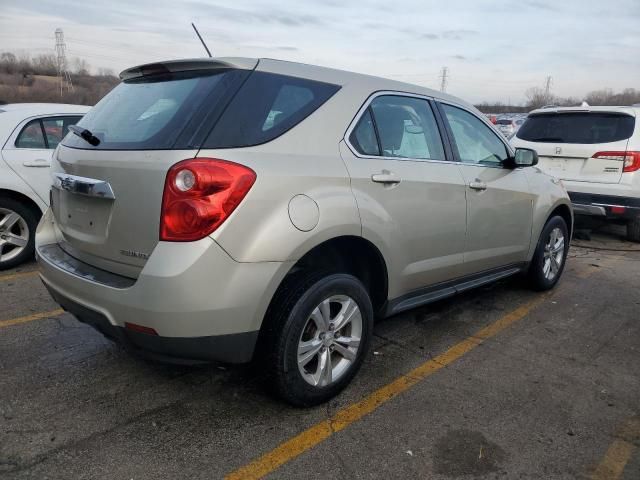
point(226, 209)
point(509, 126)
point(29, 132)
point(595, 151)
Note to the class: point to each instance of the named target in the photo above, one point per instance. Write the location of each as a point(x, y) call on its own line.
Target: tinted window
point(475, 141)
point(503, 122)
point(363, 138)
point(56, 128)
point(159, 111)
point(31, 136)
point(577, 127)
point(407, 128)
point(267, 106)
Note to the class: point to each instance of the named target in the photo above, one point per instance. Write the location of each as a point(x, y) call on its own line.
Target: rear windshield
point(579, 127)
point(220, 109)
point(504, 122)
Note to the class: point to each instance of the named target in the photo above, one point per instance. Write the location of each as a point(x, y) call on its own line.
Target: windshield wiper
point(547, 139)
point(85, 134)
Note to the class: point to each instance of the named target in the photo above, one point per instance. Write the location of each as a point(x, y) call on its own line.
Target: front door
point(499, 202)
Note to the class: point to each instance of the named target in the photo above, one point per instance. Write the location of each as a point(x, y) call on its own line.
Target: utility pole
point(64, 78)
point(547, 88)
point(444, 76)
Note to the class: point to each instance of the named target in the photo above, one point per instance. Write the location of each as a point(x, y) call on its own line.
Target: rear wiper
point(85, 134)
point(547, 139)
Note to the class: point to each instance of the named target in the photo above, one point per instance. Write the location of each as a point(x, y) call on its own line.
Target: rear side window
point(407, 128)
point(31, 136)
point(56, 128)
point(160, 111)
point(363, 138)
point(577, 127)
point(267, 106)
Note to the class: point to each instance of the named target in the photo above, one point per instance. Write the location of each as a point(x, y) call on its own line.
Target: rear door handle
point(385, 177)
point(38, 163)
point(478, 185)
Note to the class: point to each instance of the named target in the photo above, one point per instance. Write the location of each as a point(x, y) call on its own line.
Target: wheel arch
point(22, 198)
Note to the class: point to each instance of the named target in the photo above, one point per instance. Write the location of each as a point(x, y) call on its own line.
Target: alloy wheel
point(14, 234)
point(330, 340)
point(553, 254)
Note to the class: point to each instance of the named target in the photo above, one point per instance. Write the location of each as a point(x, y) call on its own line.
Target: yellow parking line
point(319, 432)
point(31, 318)
point(612, 465)
point(13, 276)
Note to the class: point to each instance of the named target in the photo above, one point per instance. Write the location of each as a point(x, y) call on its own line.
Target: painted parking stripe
point(619, 452)
point(319, 432)
point(31, 318)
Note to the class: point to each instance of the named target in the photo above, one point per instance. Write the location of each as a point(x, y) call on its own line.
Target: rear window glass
point(579, 127)
point(267, 106)
point(158, 112)
point(503, 122)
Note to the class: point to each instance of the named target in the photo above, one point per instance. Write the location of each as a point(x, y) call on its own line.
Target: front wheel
point(321, 333)
point(550, 256)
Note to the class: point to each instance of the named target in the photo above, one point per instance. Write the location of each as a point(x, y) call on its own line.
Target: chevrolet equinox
point(228, 209)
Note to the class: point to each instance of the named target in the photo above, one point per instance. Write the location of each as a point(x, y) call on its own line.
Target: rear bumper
point(203, 305)
point(609, 206)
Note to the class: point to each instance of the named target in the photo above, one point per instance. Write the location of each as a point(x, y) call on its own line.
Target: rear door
point(410, 197)
point(578, 145)
point(499, 201)
point(107, 197)
point(29, 152)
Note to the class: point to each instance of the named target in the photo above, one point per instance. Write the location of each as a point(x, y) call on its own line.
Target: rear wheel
point(633, 230)
point(319, 336)
point(17, 232)
point(550, 256)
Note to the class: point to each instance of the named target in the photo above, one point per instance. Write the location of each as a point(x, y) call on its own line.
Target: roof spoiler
point(188, 65)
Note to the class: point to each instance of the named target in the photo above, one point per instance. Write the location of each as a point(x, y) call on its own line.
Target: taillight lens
point(631, 160)
point(199, 195)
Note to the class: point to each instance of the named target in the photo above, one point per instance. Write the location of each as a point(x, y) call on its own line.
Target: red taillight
point(134, 327)
point(199, 195)
point(631, 160)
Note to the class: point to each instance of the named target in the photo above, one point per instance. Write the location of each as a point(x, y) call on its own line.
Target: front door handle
point(478, 185)
point(386, 177)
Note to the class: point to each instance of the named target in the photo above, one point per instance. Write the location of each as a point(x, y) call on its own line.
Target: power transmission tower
point(64, 78)
point(444, 78)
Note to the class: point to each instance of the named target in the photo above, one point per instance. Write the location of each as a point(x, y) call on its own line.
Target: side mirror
point(524, 157)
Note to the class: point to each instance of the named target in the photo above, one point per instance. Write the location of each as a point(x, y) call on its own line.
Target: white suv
point(595, 151)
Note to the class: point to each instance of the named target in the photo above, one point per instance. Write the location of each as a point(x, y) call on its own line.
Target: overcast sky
point(494, 50)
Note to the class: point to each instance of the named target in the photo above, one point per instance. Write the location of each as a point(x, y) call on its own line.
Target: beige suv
point(231, 209)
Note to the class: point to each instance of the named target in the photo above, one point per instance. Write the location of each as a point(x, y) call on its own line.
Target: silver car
point(238, 209)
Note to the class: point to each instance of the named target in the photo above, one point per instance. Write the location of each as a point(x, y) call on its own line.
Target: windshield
point(157, 112)
point(577, 127)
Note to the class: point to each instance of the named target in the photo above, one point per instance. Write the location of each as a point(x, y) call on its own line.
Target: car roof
point(633, 111)
point(11, 114)
point(302, 70)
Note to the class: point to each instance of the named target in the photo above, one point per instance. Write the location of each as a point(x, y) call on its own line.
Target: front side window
point(407, 128)
point(31, 136)
point(363, 138)
point(476, 142)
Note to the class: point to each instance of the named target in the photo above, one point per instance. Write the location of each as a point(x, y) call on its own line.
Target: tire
point(543, 275)
point(633, 230)
point(18, 224)
point(295, 317)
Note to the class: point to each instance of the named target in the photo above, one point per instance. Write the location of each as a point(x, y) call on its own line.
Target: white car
point(595, 151)
point(509, 126)
point(29, 132)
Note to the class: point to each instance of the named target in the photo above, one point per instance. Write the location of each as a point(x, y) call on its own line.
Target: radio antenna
point(203, 44)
